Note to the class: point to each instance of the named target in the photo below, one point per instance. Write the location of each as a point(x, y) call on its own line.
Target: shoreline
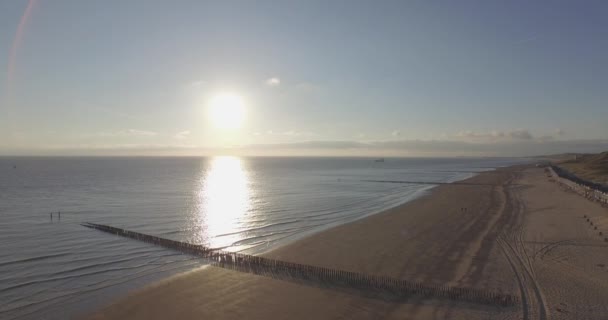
point(292, 250)
point(423, 192)
point(413, 197)
point(505, 230)
point(296, 245)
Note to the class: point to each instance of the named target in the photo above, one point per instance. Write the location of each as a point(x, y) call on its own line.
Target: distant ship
point(379, 160)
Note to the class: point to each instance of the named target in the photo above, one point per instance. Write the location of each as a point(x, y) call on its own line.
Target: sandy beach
point(511, 230)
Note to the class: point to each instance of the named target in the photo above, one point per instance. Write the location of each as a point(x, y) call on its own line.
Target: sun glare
point(227, 111)
point(224, 201)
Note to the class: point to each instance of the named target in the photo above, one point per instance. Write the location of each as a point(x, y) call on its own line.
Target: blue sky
point(350, 77)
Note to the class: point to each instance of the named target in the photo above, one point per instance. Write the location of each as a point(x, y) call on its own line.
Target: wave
point(37, 258)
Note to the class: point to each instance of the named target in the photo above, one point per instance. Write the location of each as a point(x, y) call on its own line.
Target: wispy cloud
point(403, 148)
point(523, 147)
point(528, 39)
point(297, 133)
point(141, 133)
point(182, 135)
point(195, 84)
point(545, 138)
point(127, 132)
point(311, 145)
point(522, 134)
point(273, 82)
point(516, 142)
point(288, 133)
point(517, 134)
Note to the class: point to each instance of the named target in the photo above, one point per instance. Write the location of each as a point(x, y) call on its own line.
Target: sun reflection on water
point(224, 198)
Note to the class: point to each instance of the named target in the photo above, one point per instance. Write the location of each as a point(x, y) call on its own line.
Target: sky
point(343, 78)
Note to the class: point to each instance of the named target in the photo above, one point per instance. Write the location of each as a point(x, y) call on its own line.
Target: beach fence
point(592, 191)
point(368, 285)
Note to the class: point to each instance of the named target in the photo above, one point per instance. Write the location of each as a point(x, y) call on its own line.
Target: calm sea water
point(57, 269)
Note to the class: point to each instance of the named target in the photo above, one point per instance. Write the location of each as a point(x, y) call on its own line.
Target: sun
point(227, 110)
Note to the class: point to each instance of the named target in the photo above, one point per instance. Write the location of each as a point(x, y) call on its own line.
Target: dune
point(591, 167)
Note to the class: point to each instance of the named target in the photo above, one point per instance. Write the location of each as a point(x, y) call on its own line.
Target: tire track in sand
point(513, 247)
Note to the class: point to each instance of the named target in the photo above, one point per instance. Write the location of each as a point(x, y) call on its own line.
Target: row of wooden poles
point(588, 190)
point(366, 284)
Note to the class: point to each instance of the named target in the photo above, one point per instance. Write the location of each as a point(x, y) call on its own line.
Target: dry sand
point(520, 233)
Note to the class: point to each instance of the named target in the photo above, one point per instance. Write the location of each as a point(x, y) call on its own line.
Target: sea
point(51, 267)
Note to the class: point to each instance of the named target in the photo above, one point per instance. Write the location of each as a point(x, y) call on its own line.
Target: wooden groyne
point(364, 284)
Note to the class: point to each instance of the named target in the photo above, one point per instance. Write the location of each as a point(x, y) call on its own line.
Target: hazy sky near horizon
point(316, 77)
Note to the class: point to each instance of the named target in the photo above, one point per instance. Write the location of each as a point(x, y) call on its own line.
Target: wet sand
point(510, 230)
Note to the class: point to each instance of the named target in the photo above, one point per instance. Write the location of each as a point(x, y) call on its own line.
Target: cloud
point(521, 134)
point(288, 133)
point(195, 84)
point(468, 134)
point(505, 148)
point(127, 132)
point(517, 134)
point(141, 133)
point(545, 138)
point(312, 145)
point(105, 149)
point(516, 142)
point(529, 38)
point(182, 135)
point(296, 133)
point(386, 148)
point(273, 82)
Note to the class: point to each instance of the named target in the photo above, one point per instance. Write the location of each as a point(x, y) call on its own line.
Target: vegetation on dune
point(591, 167)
